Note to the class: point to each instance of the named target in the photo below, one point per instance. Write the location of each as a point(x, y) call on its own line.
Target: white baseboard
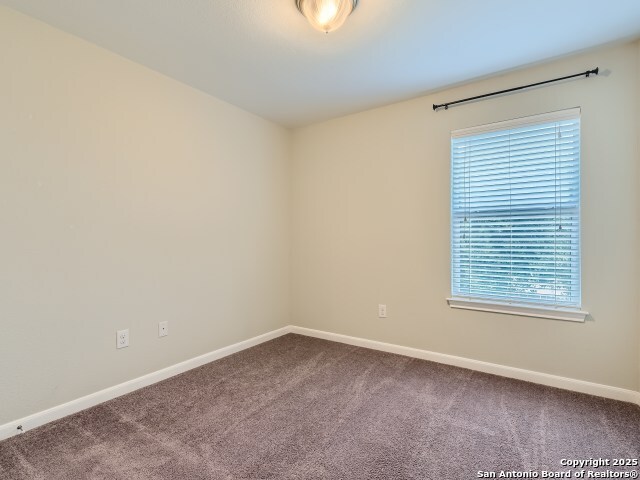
point(565, 383)
point(37, 419)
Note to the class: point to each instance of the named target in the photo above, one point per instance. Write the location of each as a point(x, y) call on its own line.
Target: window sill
point(540, 311)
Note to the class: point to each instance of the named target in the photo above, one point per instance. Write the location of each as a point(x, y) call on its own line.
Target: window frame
point(517, 307)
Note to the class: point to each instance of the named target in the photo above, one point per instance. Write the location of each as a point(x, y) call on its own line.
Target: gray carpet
point(303, 408)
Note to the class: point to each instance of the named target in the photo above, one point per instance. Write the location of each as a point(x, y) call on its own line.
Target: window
point(515, 216)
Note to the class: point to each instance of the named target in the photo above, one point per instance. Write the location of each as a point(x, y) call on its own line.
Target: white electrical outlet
point(122, 338)
point(163, 328)
point(382, 311)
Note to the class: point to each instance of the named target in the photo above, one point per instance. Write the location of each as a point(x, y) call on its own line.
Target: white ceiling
point(262, 56)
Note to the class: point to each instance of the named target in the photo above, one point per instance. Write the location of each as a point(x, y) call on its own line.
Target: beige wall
point(126, 198)
point(371, 225)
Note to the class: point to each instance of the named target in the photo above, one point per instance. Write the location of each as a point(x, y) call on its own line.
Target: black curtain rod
point(448, 104)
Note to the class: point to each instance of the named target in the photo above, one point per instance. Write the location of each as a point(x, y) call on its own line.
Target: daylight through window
point(515, 210)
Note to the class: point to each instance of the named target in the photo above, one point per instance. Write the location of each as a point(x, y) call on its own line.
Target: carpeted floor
point(303, 408)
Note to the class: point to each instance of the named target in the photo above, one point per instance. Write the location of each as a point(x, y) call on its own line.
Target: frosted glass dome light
point(326, 15)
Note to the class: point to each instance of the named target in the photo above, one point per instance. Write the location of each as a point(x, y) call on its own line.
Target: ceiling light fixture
point(326, 15)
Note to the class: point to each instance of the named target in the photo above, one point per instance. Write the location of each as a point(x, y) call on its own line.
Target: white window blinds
point(515, 210)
